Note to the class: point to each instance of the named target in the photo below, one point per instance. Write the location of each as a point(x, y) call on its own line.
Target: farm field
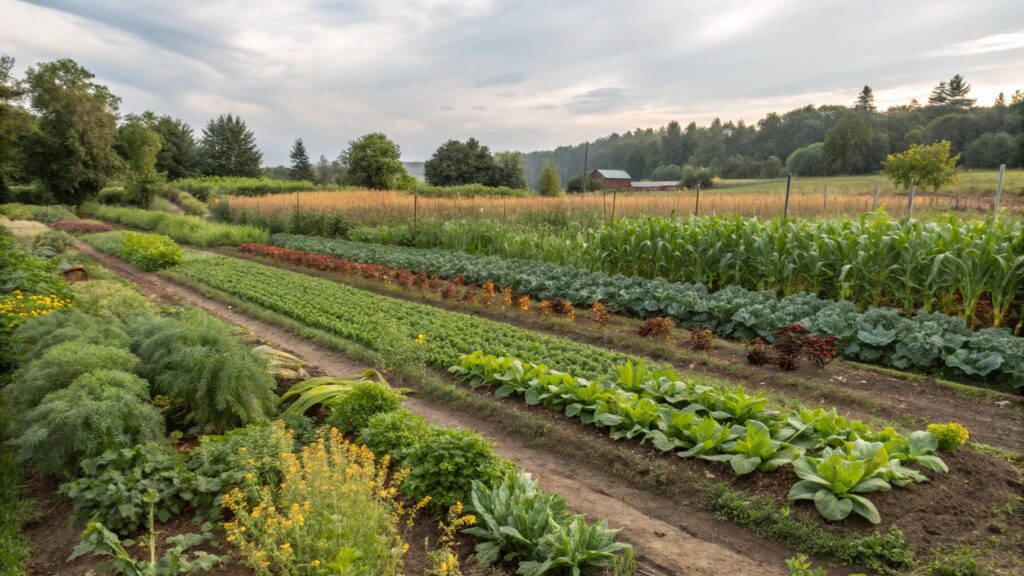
point(847, 196)
point(694, 436)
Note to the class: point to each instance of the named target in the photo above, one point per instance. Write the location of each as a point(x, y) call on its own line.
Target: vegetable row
point(837, 459)
point(928, 341)
point(382, 323)
point(188, 229)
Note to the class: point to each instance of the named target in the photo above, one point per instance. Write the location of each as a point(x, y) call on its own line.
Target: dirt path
point(669, 539)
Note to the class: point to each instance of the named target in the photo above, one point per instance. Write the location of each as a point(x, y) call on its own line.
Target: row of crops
point(378, 321)
point(927, 341)
point(837, 459)
point(950, 266)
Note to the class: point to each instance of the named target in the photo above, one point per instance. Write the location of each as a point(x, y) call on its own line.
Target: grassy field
point(846, 196)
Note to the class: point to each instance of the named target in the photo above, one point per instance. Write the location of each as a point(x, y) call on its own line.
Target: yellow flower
point(421, 338)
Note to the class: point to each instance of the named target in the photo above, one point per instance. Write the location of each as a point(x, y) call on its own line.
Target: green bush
point(150, 251)
point(101, 410)
point(395, 433)
point(445, 463)
point(214, 381)
point(16, 211)
point(208, 187)
point(34, 337)
point(52, 213)
point(113, 486)
point(60, 365)
point(110, 299)
point(54, 240)
point(223, 461)
point(113, 195)
point(351, 412)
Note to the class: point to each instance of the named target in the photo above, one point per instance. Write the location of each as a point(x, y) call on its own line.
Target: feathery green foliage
point(188, 229)
point(101, 410)
point(214, 381)
point(34, 337)
point(60, 365)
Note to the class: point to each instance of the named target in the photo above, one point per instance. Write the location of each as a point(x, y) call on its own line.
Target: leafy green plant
point(513, 516)
point(395, 433)
point(756, 450)
point(918, 448)
point(149, 251)
point(61, 364)
point(176, 560)
point(221, 463)
point(101, 410)
point(575, 546)
point(799, 565)
point(189, 229)
point(113, 487)
point(960, 561)
point(212, 378)
point(53, 241)
point(835, 481)
point(445, 464)
point(352, 412)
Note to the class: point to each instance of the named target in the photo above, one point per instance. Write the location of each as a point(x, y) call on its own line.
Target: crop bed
point(927, 342)
point(380, 323)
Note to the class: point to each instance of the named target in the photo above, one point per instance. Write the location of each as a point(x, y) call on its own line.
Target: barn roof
point(614, 174)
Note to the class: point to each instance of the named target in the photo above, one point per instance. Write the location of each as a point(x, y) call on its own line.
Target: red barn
point(613, 179)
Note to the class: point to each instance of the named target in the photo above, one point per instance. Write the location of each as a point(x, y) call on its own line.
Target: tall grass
point(188, 229)
point(763, 200)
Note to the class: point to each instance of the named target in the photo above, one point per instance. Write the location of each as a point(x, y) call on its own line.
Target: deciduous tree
point(455, 163)
point(927, 166)
point(72, 153)
point(141, 145)
point(550, 182)
point(374, 161)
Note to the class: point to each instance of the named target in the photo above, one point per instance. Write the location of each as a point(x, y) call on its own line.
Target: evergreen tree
point(866, 100)
point(228, 148)
point(1000, 101)
point(301, 168)
point(939, 95)
point(72, 153)
point(550, 182)
point(956, 92)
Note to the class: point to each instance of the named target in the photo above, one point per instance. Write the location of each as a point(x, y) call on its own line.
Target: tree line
point(808, 141)
point(62, 130)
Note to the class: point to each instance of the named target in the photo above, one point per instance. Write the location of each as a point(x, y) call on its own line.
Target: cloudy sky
point(517, 74)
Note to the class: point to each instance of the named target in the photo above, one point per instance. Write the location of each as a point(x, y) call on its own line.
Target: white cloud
point(984, 45)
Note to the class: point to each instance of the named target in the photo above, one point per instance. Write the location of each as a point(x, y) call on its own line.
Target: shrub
point(693, 177)
point(445, 463)
point(80, 226)
point(113, 487)
point(215, 382)
point(60, 365)
point(34, 337)
point(334, 507)
point(950, 436)
point(150, 251)
point(395, 433)
point(353, 411)
point(224, 461)
point(54, 240)
point(111, 299)
point(112, 195)
point(16, 211)
point(49, 214)
point(99, 411)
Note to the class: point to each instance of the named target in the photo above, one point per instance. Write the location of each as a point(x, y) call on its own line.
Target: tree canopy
point(926, 166)
point(228, 148)
point(455, 163)
point(374, 161)
point(302, 168)
point(72, 153)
